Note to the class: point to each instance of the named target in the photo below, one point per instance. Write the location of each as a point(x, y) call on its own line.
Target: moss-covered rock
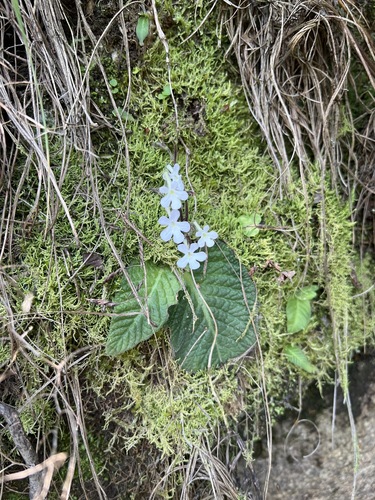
point(305, 238)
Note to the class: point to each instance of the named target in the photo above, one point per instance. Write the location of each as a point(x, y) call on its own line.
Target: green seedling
point(249, 224)
point(124, 115)
point(298, 309)
point(166, 92)
point(114, 85)
point(298, 358)
point(142, 29)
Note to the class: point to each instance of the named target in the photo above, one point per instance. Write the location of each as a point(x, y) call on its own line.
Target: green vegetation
point(199, 117)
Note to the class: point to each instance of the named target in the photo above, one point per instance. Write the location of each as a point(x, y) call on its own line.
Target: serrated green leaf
point(249, 223)
point(296, 356)
point(131, 326)
point(221, 325)
point(142, 28)
point(307, 292)
point(298, 314)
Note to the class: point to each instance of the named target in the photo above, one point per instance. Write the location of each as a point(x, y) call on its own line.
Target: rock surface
point(313, 460)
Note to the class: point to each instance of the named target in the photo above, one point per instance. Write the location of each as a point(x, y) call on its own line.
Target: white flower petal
point(183, 262)
point(163, 221)
point(184, 226)
point(193, 264)
point(178, 237)
point(166, 234)
point(183, 248)
point(193, 247)
point(201, 256)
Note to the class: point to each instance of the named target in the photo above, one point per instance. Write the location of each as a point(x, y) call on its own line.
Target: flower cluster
point(174, 195)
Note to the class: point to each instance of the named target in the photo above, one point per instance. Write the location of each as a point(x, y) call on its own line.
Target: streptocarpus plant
point(210, 311)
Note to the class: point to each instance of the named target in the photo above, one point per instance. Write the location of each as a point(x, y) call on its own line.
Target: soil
point(314, 459)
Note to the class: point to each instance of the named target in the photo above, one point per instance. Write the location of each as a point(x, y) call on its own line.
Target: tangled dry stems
point(296, 61)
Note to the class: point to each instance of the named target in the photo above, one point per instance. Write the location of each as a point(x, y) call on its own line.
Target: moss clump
point(174, 415)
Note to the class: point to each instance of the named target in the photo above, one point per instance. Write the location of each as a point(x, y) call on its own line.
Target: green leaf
point(124, 115)
point(113, 82)
point(142, 28)
point(166, 92)
point(298, 314)
point(132, 325)
point(220, 326)
point(307, 292)
point(296, 356)
point(249, 223)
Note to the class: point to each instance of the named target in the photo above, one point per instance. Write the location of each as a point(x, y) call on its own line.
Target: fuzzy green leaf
point(167, 91)
point(296, 356)
point(132, 325)
point(220, 326)
point(249, 223)
point(307, 292)
point(142, 28)
point(298, 314)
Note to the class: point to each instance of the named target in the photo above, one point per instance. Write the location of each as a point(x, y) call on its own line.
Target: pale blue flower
point(174, 175)
point(206, 237)
point(173, 196)
point(174, 228)
point(190, 258)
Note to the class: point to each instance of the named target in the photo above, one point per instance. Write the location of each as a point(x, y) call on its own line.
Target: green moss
point(229, 177)
point(174, 417)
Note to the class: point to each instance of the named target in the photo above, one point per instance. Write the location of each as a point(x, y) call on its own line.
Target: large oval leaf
point(214, 322)
point(137, 320)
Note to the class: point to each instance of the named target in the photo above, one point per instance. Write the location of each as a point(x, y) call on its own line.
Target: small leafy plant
point(210, 309)
point(142, 28)
point(298, 313)
point(165, 93)
point(249, 224)
point(114, 85)
point(298, 309)
point(124, 115)
point(297, 357)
